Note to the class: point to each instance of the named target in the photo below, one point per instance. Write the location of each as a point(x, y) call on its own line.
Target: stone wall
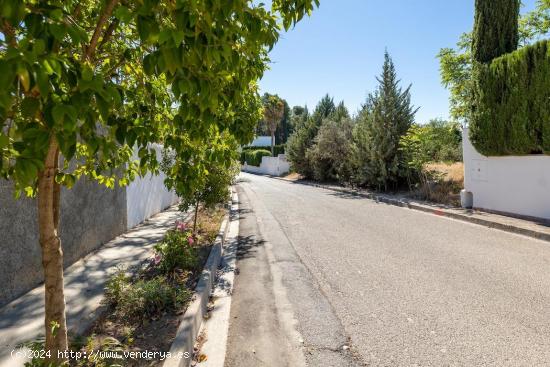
point(90, 216)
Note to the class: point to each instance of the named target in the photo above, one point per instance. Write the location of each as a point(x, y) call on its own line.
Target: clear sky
point(339, 50)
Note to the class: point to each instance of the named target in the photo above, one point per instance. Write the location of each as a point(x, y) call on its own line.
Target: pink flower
point(181, 226)
point(190, 240)
point(156, 259)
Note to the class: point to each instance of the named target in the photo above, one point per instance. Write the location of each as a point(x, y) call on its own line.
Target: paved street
point(327, 279)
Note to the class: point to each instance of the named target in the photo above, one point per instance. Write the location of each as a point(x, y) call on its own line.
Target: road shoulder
point(279, 315)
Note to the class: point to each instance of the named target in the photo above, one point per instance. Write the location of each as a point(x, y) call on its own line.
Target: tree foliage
point(83, 83)
point(386, 117)
point(330, 156)
point(456, 75)
point(305, 131)
point(512, 109)
point(456, 63)
point(274, 109)
point(495, 29)
point(536, 24)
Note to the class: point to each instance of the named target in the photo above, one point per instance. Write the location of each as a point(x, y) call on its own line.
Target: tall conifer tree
point(495, 28)
point(387, 116)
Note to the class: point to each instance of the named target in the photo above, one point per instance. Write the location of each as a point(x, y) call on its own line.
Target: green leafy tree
point(436, 141)
point(456, 63)
point(304, 134)
point(299, 116)
point(274, 109)
point(495, 29)
point(386, 117)
point(285, 128)
point(536, 24)
point(84, 83)
point(331, 157)
point(415, 154)
point(221, 166)
point(456, 75)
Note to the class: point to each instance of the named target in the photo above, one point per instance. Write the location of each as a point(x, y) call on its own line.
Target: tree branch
point(89, 51)
point(9, 32)
point(108, 33)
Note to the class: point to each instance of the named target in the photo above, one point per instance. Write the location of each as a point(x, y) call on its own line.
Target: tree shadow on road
point(345, 195)
point(247, 246)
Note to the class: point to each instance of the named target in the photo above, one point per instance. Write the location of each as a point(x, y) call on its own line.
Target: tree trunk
point(52, 255)
point(195, 220)
point(273, 143)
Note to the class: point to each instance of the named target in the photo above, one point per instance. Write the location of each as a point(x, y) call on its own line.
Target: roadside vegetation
point(381, 147)
point(146, 304)
point(495, 90)
point(86, 84)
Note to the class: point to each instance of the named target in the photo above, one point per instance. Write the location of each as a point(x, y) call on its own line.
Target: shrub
point(304, 135)
point(145, 297)
point(331, 155)
point(437, 141)
point(512, 114)
point(176, 251)
point(298, 144)
point(278, 149)
point(254, 157)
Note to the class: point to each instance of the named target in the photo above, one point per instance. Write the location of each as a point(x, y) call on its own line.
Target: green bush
point(144, 298)
point(254, 157)
point(512, 105)
point(176, 251)
point(331, 157)
point(277, 149)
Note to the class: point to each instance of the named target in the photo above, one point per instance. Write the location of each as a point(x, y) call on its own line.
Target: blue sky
point(340, 50)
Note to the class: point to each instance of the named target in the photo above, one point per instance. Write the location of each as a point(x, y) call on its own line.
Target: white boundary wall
point(273, 166)
point(148, 196)
point(512, 184)
point(261, 141)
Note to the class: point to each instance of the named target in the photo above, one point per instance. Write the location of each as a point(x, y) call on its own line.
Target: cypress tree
point(495, 28)
point(386, 117)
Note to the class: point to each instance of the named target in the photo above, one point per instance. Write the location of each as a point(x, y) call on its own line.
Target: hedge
point(278, 149)
point(254, 157)
point(512, 108)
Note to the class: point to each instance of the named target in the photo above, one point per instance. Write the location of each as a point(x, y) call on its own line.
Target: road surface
point(327, 279)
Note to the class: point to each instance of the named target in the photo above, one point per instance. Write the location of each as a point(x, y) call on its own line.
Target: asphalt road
point(333, 280)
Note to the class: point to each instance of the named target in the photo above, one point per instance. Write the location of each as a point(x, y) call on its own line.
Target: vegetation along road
point(357, 282)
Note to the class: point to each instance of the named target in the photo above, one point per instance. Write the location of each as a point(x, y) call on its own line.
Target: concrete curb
point(181, 351)
point(429, 209)
point(216, 328)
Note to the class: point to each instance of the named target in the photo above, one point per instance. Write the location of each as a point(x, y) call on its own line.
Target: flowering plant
point(176, 250)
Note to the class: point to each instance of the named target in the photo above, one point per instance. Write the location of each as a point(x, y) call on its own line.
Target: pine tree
point(303, 136)
point(341, 112)
point(495, 28)
point(387, 115)
point(324, 109)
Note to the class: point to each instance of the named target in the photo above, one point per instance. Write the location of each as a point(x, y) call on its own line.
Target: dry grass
point(446, 185)
point(451, 172)
point(208, 224)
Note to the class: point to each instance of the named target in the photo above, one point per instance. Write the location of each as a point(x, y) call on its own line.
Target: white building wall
point(273, 166)
point(512, 184)
point(147, 196)
point(261, 141)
